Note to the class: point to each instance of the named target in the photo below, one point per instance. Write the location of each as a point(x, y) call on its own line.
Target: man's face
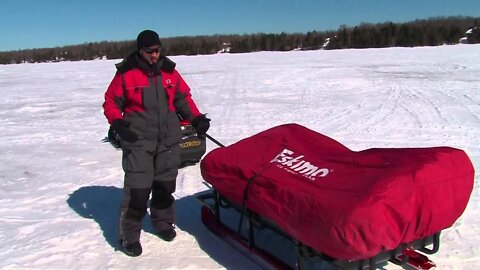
point(151, 54)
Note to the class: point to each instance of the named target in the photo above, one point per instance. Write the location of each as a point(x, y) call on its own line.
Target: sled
point(214, 206)
point(349, 209)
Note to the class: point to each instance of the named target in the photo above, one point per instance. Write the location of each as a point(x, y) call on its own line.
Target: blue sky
point(28, 24)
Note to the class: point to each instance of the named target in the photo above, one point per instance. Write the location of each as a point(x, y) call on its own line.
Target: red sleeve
point(114, 99)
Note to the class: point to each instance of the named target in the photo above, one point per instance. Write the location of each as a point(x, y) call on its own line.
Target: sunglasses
point(150, 51)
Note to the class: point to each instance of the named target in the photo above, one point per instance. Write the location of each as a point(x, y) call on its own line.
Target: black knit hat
point(147, 38)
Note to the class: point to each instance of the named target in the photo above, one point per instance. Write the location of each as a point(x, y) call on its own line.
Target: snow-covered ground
point(60, 186)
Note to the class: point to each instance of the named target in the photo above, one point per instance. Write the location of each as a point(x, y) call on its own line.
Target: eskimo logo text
point(296, 165)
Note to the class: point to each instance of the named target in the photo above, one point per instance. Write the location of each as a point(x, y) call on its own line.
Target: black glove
point(113, 138)
point(121, 128)
point(201, 124)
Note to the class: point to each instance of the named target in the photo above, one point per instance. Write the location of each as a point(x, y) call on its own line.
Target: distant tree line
point(430, 32)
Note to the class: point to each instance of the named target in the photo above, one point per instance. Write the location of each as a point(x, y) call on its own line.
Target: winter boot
point(133, 249)
point(167, 235)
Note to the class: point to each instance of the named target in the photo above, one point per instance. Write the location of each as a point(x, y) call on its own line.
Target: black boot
point(167, 235)
point(133, 249)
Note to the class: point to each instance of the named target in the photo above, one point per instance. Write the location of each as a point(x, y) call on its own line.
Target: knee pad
point(162, 194)
point(137, 204)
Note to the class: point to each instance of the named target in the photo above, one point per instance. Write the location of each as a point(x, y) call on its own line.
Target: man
point(141, 105)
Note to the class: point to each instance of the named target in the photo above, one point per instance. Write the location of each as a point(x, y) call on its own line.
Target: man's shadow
point(101, 204)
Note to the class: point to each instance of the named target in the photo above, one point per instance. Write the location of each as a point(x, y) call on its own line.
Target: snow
point(60, 186)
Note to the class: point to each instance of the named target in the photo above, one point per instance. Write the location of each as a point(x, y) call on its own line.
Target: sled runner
point(353, 210)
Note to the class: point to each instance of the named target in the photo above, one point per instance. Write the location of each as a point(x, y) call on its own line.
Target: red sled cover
point(346, 204)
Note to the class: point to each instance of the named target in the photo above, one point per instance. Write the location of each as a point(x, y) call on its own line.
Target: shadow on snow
point(101, 204)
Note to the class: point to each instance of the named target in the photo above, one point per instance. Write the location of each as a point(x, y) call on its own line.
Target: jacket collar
point(134, 60)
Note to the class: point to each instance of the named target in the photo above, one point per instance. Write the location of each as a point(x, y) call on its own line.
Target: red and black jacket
point(150, 97)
